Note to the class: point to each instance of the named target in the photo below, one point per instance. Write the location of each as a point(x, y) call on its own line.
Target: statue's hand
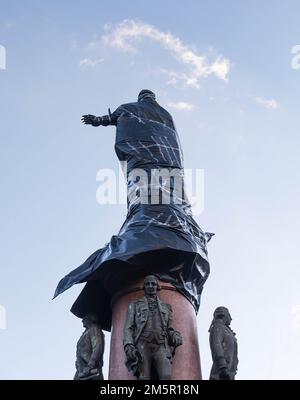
point(175, 338)
point(224, 375)
point(87, 370)
point(131, 352)
point(91, 120)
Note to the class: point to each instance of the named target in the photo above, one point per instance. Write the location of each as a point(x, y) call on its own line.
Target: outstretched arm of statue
point(105, 120)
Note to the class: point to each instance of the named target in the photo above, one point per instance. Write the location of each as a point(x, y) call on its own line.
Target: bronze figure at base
point(149, 339)
point(90, 349)
point(223, 346)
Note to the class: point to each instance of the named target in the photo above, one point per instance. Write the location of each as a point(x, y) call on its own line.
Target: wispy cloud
point(9, 24)
point(74, 44)
point(88, 63)
point(181, 106)
point(128, 33)
point(270, 104)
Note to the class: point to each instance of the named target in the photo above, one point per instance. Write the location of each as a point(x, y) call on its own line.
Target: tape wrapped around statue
point(159, 235)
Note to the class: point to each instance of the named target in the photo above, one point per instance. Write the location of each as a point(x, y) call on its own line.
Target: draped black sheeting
point(159, 234)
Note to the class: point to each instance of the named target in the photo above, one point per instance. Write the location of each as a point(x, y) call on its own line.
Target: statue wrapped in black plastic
point(159, 235)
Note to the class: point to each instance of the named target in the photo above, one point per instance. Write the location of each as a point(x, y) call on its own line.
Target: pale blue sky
point(243, 130)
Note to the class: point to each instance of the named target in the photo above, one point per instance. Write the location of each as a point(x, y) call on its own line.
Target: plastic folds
point(159, 234)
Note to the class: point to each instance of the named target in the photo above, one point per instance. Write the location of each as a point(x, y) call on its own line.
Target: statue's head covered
point(221, 314)
point(146, 94)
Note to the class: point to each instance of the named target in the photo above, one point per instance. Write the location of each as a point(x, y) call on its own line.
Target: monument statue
point(149, 339)
point(159, 235)
point(90, 349)
point(223, 346)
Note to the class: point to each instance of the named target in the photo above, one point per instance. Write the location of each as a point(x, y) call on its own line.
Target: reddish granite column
point(186, 363)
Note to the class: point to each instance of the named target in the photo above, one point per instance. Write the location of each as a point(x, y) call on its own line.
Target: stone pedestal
point(186, 363)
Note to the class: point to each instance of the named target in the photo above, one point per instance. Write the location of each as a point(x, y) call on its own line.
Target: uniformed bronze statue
point(90, 349)
point(149, 339)
point(223, 345)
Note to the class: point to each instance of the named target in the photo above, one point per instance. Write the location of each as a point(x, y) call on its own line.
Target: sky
point(228, 72)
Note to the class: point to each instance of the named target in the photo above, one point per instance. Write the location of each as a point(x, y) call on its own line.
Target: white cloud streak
point(9, 24)
point(269, 104)
point(181, 106)
point(128, 33)
point(87, 62)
